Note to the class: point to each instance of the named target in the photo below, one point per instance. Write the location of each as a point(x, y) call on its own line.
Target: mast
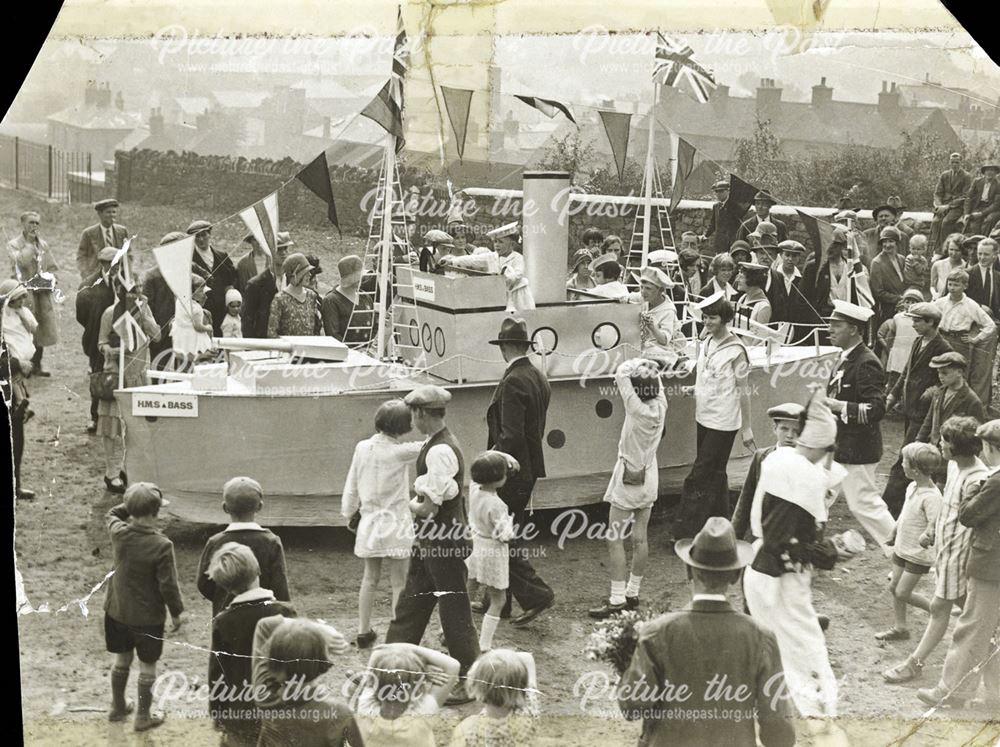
point(385, 255)
point(647, 189)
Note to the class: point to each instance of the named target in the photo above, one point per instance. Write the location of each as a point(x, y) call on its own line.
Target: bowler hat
point(512, 330)
point(885, 206)
point(715, 548)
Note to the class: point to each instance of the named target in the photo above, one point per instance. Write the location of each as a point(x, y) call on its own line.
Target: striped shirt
point(951, 539)
point(961, 316)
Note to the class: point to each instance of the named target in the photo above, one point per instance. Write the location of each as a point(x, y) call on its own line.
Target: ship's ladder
point(399, 338)
point(636, 258)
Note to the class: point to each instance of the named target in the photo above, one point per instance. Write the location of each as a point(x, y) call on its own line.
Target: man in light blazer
point(106, 232)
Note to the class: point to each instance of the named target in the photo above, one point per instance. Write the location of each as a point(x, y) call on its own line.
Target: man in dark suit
point(218, 270)
point(762, 204)
point(725, 220)
point(911, 390)
point(261, 290)
point(706, 646)
point(982, 203)
point(949, 199)
point(251, 264)
point(787, 293)
point(984, 289)
point(953, 398)
point(94, 238)
point(516, 423)
point(161, 302)
point(855, 394)
point(91, 301)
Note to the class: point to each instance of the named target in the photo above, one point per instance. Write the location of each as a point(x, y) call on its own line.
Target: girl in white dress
point(492, 528)
point(190, 331)
point(377, 496)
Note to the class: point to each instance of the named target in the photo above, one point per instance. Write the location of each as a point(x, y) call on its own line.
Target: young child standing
point(230, 674)
point(634, 480)
point(503, 681)
point(190, 331)
point(242, 499)
point(403, 684)
point(913, 535)
point(960, 446)
point(492, 528)
point(377, 491)
point(143, 587)
point(232, 325)
point(896, 335)
point(917, 267)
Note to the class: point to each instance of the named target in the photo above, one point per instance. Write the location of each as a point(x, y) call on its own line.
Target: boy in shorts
point(142, 588)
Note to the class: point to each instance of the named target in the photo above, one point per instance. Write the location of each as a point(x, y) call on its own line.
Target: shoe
point(147, 722)
point(893, 634)
point(365, 640)
point(459, 696)
point(115, 716)
point(528, 615)
point(824, 622)
point(907, 671)
point(23, 494)
point(114, 485)
point(28, 415)
point(124, 477)
point(632, 603)
point(41, 372)
point(932, 696)
point(606, 610)
point(92, 428)
point(479, 608)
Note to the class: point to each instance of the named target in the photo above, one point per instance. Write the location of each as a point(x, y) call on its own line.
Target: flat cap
point(198, 226)
point(914, 294)
point(107, 254)
point(840, 234)
point(791, 246)
point(105, 204)
point(428, 395)
point(720, 185)
point(787, 411)
point(437, 236)
point(171, 237)
point(947, 360)
point(925, 311)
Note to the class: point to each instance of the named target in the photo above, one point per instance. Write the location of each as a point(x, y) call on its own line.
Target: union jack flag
point(675, 64)
point(387, 107)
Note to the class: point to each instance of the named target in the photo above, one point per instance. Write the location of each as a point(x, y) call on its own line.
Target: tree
point(569, 153)
point(760, 161)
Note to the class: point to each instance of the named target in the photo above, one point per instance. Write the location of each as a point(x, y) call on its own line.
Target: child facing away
point(896, 336)
point(377, 490)
point(503, 681)
point(142, 589)
point(403, 684)
point(242, 499)
point(234, 568)
point(913, 535)
point(917, 267)
point(634, 481)
point(190, 331)
point(960, 446)
point(289, 655)
point(232, 325)
point(492, 529)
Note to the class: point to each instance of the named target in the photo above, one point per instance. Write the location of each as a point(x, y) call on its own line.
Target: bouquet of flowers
point(614, 640)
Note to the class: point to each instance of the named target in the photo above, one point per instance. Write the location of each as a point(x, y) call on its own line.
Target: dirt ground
point(63, 553)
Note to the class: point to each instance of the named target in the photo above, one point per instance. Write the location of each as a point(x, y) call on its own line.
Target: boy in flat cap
point(438, 560)
point(217, 269)
point(953, 398)
point(106, 232)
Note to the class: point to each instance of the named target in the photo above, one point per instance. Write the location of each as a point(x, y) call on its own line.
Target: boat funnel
point(545, 232)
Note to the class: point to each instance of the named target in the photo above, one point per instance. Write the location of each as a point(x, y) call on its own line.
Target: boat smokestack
point(545, 231)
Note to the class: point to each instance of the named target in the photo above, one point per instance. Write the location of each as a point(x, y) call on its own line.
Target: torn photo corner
point(783, 154)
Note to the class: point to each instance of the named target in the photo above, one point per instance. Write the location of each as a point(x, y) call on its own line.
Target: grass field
point(62, 551)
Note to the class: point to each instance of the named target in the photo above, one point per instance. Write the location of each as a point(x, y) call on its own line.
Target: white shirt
point(961, 316)
point(717, 397)
point(18, 331)
point(206, 256)
point(664, 319)
point(643, 426)
point(438, 485)
point(615, 290)
point(709, 598)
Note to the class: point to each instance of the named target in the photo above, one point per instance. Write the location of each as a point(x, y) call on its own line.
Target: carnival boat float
point(289, 411)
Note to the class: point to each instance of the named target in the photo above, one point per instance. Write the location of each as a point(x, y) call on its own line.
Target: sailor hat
point(662, 257)
point(850, 312)
point(437, 236)
point(710, 300)
point(656, 276)
point(509, 229)
point(604, 259)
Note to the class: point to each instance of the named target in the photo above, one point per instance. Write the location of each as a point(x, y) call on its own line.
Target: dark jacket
point(977, 292)
point(339, 312)
point(257, 298)
point(982, 513)
point(516, 417)
point(918, 377)
point(741, 514)
point(730, 647)
point(974, 202)
point(887, 285)
point(723, 225)
point(268, 550)
point(952, 188)
point(91, 242)
point(220, 277)
point(161, 299)
point(816, 286)
point(859, 381)
point(748, 226)
point(246, 270)
point(144, 584)
point(91, 302)
point(789, 306)
point(965, 402)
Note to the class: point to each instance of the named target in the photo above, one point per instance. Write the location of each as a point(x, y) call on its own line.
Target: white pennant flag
point(121, 262)
point(174, 261)
point(261, 220)
point(130, 332)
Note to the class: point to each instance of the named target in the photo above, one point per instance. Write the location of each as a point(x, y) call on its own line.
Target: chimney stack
point(888, 99)
point(326, 128)
point(90, 94)
point(120, 102)
point(822, 94)
point(156, 121)
point(768, 94)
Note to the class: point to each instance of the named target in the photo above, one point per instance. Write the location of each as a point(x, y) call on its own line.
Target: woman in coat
point(294, 310)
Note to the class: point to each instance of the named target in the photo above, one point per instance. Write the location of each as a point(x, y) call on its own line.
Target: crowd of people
point(451, 536)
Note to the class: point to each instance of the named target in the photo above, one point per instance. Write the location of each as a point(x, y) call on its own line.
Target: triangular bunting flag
point(174, 261)
point(683, 166)
point(261, 220)
point(120, 267)
point(548, 107)
point(130, 331)
point(741, 196)
point(820, 234)
point(616, 125)
point(457, 102)
point(316, 178)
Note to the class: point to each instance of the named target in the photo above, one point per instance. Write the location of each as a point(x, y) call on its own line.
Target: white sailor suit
point(859, 380)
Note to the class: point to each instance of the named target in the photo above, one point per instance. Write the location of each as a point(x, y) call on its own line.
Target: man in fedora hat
point(251, 264)
point(949, 200)
point(982, 203)
point(787, 515)
point(885, 215)
point(106, 232)
point(515, 420)
point(262, 289)
point(217, 269)
point(683, 658)
point(762, 204)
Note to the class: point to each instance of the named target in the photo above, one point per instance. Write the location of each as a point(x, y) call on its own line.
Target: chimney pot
point(822, 81)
